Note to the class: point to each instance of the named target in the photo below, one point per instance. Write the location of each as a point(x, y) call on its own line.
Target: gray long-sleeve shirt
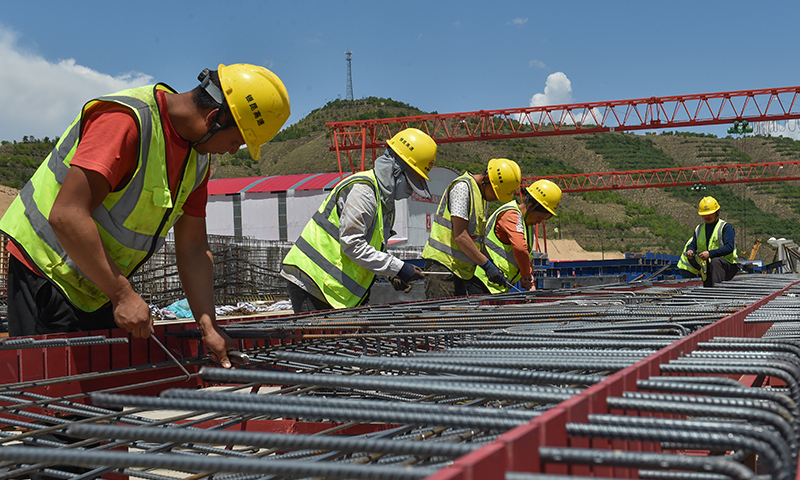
point(357, 206)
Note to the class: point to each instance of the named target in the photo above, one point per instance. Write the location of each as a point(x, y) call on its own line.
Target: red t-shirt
point(110, 145)
point(508, 231)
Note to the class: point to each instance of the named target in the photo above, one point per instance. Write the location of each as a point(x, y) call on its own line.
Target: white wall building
point(278, 207)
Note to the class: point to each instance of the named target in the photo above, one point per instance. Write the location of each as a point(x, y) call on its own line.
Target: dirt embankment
point(7, 195)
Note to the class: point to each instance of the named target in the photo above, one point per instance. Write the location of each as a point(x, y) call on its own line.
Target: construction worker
point(713, 247)
point(456, 244)
point(685, 268)
point(343, 246)
point(130, 167)
point(507, 238)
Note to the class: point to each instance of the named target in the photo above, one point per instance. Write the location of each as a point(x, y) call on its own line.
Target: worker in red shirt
point(130, 167)
point(507, 240)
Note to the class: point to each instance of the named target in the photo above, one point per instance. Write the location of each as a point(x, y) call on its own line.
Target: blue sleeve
point(728, 242)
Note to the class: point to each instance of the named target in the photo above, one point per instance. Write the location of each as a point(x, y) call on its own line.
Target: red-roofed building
point(278, 207)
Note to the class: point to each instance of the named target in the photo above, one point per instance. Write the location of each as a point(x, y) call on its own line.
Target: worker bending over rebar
point(343, 247)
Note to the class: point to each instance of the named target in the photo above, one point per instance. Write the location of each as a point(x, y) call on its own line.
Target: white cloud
point(537, 64)
point(40, 98)
point(519, 21)
point(557, 90)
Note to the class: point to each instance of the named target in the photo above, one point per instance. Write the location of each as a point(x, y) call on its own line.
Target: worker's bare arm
point(71, 219)
point(465, 242)
point(196, 270)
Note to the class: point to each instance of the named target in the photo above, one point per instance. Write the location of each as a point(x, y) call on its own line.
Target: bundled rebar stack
point(410, 390)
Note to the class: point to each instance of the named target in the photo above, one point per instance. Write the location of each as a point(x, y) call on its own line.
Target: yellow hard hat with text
point(547, 193)
point(258, 101)
point(416, 148)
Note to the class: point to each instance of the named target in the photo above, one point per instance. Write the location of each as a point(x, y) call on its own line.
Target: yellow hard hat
point(416, 148)
point(708, 205)
point(258, 101)
point(504, 175)
point(547, 193)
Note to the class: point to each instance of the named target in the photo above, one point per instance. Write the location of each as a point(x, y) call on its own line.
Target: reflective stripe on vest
point(128, 220)
point(683, 262)
point(319, 255)
point(713, 243)
point(501, 254)
point(441, 245)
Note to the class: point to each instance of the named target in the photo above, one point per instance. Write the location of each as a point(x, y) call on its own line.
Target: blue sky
point(445, 56)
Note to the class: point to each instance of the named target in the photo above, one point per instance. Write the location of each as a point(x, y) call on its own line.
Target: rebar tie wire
point(616, 458)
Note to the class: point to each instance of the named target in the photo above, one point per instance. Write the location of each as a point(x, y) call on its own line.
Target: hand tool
point(511, 285)
point(237, 357)
point(169, 354)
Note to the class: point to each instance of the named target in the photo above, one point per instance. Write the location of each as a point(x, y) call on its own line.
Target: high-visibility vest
point(442, 246)
point(501, 254)
point(132, 222)
point(319, 255)
point(683, 262)
point(713, 242)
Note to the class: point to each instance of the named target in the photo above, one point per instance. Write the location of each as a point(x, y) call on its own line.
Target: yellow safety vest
point(502, 254)
point(713, 242)
point(132, 222)
point(441, 245)
point(683, 262)
point(319, 255)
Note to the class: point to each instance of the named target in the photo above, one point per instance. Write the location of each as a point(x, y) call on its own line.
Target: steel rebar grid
point(397, 342)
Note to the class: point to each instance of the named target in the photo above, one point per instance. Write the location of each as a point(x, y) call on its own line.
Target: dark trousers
point(718, 270)
point(36, 306)
point(446, 286)
point(303, 301)
point(687, 273)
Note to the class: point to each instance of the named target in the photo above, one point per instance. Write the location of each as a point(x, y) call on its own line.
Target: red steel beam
point(675, 177)
point(769, 104)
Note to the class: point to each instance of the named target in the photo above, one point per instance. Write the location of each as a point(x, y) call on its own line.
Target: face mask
point(402, 189)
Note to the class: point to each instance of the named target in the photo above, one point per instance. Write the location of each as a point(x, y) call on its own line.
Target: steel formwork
point(618, 382)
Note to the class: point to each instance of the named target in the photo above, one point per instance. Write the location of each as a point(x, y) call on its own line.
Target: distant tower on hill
point(349, 95)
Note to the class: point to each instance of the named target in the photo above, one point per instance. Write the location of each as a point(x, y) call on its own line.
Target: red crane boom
point(676, 177)
point(770, 104)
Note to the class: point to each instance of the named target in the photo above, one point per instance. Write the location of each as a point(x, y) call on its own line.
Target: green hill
point(637, 220)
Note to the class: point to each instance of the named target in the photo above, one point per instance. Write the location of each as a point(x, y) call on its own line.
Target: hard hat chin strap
point(215, 92)
point(216, 127)
point(210, 87)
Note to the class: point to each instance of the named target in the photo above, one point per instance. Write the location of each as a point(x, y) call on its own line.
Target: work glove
point(410, 273)
point(493, 273)
point(399, 285)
